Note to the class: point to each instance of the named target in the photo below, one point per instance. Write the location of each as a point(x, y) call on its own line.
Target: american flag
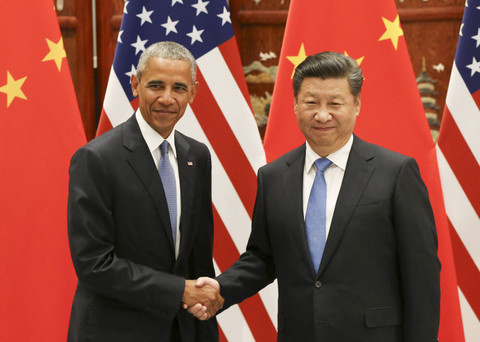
point(458, 152)
point(220, 116)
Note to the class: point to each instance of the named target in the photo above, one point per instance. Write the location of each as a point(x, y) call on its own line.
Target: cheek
point(306, 116)
point(300, 119)
point(350, 124)
point(303, 122)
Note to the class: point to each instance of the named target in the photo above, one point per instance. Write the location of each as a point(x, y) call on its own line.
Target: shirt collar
point(339, 157)
point(152, 137)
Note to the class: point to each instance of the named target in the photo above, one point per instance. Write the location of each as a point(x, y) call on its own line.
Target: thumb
point(200, 282)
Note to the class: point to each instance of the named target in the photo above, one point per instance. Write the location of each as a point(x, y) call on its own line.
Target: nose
point(322, 115)
point(166, 97)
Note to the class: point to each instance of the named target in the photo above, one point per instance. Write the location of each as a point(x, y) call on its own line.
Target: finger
point(210, 281)
point(211, 312)
point(204, 317)
point(197, 309)
point(200, 282)
point(202, 313)
point(218, 303)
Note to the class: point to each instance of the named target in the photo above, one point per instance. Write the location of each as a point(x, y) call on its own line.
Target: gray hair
point(329, 64)
point(167, 50)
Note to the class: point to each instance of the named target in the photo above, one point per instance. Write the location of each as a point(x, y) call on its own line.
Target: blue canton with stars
point(198, 25)
point(467, 58)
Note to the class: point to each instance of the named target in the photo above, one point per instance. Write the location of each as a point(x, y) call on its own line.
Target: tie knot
point(164, 147)
point(322, 164)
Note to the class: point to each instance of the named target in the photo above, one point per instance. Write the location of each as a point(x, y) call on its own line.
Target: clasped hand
point(202, 297)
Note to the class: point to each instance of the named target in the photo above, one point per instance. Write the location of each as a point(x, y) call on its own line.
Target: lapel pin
point(189, 163)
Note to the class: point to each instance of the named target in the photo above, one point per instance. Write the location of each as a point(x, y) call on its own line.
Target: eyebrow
point(331, 97)
point(178, 84)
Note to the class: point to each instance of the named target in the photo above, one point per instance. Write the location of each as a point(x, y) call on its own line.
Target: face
point(164, 91)
point(326, 113)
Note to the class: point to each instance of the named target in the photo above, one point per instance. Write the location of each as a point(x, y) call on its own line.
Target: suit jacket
point(130, 286)
point(379, 277)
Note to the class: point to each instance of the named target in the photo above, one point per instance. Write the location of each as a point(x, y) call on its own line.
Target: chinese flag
point(391, 114)
point(40, 128)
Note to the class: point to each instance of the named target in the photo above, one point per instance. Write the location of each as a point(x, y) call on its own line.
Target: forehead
point(161, 67)
point(316, 86)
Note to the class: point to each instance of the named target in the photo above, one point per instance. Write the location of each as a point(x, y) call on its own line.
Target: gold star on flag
point(13, 88)
point(57, 52)
point(358, 60)
point(296, 60)
point(393, 31)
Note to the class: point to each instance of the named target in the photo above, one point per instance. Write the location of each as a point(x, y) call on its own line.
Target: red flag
point(391, 113)
point(40, 129)
point(220, 116)
point(458, 154)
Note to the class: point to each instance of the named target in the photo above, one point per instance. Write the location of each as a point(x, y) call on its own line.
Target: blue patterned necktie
point(167, 175)
point(316, 216)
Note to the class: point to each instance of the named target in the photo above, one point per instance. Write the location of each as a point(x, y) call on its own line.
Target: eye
point(180, 89)
point(155, 86)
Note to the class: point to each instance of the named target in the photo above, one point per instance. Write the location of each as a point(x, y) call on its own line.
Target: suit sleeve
point(418, 261)
point(255, 268)
point(92, 237)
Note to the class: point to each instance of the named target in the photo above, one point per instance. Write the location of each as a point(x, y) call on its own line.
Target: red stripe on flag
point(229, 51)
point(221, 335)
point(468, 275)
point(226, 146)
point(460, 158)
point(225, 254)
point(258, 319)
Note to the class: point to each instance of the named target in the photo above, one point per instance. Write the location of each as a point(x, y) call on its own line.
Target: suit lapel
point(142, 163)
point(293, 183)
point(357, 175)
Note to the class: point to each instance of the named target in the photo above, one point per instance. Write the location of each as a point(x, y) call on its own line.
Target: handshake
point(202, 297)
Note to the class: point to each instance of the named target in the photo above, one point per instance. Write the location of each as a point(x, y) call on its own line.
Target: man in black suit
point(377, 276)
point(135, 236)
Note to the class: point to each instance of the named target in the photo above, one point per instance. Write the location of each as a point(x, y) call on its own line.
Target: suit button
point(318, 284)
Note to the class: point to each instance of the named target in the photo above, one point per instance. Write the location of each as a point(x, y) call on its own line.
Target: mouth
point(163, 111)
point(322, 129)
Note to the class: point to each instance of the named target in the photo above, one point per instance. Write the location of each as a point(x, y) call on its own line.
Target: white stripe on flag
point(459, 209)
point(234, 326)
point(232, 103)
point(116, 104)
point(464, 111)
point(471, 325)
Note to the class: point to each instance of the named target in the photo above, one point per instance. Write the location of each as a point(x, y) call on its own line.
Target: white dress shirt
point(333, 177)
point(154, 140)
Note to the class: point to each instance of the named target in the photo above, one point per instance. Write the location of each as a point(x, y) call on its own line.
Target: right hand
point(202, 297)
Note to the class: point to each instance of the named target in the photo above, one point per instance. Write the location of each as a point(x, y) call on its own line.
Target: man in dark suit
point(377, 276)
point(140, 216)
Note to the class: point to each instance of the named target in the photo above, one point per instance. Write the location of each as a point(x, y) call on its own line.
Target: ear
point(134, 83)
point(194, 91)
point(357, 104)
point(295, 105)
